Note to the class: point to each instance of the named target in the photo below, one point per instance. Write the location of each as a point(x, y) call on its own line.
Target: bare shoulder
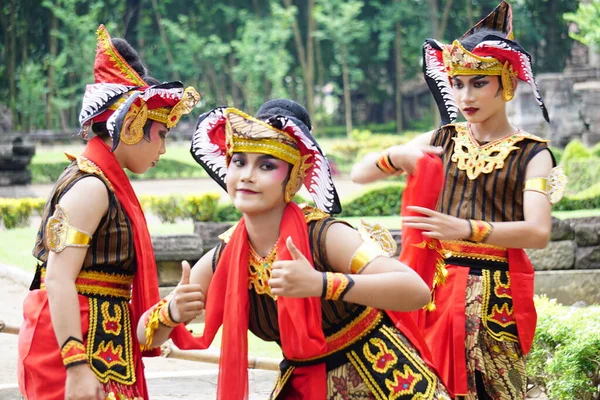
point(540, 165)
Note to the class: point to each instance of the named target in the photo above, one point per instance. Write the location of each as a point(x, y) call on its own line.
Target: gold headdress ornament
point(497, 54)
point(247, 134)
point(120, 94)
point(280, 129)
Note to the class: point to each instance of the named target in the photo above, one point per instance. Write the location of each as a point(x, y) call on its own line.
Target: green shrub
point(165, 169)
point(167, 208)
point(381, 201)
point(227, 213)
point(16, 213)
point(46, 172)
point(203, 207)
point(582, 167)
point(565, 357)
point(587, 199)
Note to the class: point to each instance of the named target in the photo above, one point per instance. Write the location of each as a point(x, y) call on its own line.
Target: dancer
point(77, 339)
point(295, 275)
point(498, 188)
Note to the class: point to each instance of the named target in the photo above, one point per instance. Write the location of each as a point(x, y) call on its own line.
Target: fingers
point(422, 210)
point(421, 226)
point(294, 252)
point(185, 273)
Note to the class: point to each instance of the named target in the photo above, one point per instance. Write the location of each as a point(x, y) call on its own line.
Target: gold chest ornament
point(476, 159)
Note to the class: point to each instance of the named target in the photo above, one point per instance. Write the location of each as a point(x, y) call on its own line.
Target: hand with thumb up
point(187, 300)
point(295, 277)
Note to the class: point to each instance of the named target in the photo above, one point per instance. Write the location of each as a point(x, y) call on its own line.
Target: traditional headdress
point(120, 94)
point(281, 129)
point(494, 55)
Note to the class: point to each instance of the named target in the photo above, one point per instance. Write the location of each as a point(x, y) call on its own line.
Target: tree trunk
point(53, 47)
point(131, 19)
point(469, 7)
point(12, 57)
point(305, 54)
point(164, 40)
point(399, 77)
point(433, 17)
point(347, 95)
point(444, 21)
point(309, 79)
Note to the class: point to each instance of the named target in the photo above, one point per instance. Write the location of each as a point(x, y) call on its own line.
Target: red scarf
point(145, 283)
point(227, 304)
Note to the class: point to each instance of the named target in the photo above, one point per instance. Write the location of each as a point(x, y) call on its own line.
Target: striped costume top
point(484, 181)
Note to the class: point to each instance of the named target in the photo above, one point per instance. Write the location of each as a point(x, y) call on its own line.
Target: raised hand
point(295, 277)
point(187, 301)
point(405, 157)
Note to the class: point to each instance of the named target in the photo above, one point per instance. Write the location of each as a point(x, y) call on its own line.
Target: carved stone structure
point(572, 99)
point(16, 151)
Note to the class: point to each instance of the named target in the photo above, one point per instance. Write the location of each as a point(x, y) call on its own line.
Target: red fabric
point(145, 283)
point(227, 304)
point(110, 66)
point(522, 289)
point(40, 369)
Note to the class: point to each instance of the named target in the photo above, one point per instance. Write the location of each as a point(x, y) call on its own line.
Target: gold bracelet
point(364, 255)
point(336, 285)
point(384, 163)
point(73, 352)
point(151, 323)
point(377, 242)
point(480, 230)
point(164, 316)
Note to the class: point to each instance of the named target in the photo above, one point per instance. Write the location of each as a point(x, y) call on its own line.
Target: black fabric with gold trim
point(362, 336)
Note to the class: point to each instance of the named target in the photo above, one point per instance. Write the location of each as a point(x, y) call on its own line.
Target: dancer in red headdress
point(295, 275)
point(93, 244)
point(498, 183)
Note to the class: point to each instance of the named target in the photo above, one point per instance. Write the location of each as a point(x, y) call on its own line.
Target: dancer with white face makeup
point(327, 294)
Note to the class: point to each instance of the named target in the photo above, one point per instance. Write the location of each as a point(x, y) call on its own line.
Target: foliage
point(581, 166)
point(565, 357)
point(380, 201)
point(15, 213)
point(586, 17)
point(202, 208)
point(32, 86)
point(165, 169)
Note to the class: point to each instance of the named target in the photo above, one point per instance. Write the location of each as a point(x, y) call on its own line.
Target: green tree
point(339, 21)
point(586, 17)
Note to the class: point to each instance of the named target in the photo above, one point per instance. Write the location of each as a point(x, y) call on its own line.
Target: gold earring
point(139, 116)
point(296, 178)
point(506, 78)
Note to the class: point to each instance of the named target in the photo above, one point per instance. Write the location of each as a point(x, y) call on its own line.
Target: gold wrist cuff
point(61, 234)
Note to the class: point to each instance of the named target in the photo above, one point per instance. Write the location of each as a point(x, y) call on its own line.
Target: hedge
point(15, 213)
point(165, 169)
point(380, 201)
point(565, 357)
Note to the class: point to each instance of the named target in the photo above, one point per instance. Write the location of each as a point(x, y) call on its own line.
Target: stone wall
point(568, 269)
point(572, 99)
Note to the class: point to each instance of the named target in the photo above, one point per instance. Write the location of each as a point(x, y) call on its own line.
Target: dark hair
point(284, 107)
point(133, 59)
point(479, 36)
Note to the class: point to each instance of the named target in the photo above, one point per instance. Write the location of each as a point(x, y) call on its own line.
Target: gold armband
point(377, 242)
point(60, 233)
point(553, 186)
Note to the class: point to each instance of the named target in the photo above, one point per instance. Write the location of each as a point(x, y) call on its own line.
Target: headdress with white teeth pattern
point(224, 131)
point(494, 55)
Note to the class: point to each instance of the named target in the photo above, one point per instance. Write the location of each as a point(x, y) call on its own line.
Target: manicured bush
point(203, 207)
point(16, 213)
point(381, 201)
point(584, 200)
point(582, 167)
point(565, 357)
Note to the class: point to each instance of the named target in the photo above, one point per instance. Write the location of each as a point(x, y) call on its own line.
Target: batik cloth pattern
point(500, 363)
